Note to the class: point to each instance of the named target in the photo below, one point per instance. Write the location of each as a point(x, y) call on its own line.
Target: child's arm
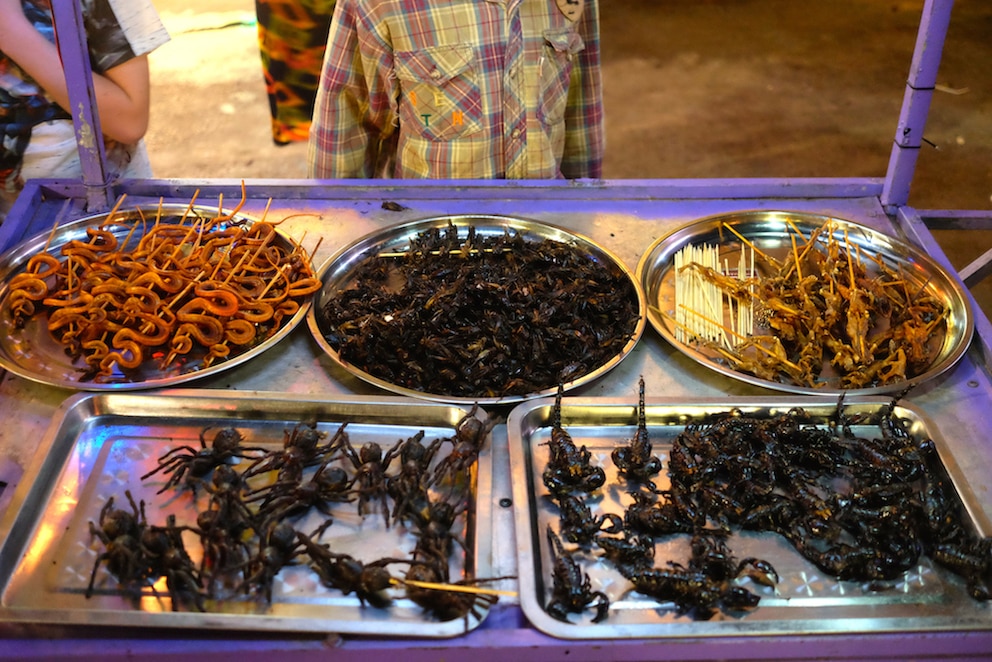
point(122, 93)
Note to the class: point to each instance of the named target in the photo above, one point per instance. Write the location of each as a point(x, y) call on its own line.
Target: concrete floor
point(693, 89)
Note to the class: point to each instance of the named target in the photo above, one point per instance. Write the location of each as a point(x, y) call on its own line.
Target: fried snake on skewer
point(203, 286)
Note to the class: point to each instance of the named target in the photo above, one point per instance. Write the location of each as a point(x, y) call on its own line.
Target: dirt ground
point(693, 89)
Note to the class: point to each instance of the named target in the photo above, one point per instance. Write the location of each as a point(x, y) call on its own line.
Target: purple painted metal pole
point(916, 101)
point(70, 36)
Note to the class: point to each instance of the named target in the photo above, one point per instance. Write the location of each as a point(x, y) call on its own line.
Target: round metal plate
point(31, 352)
point(770, 232)
point(337, 274)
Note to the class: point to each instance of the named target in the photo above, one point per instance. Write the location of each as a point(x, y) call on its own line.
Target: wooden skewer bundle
point(704, 311)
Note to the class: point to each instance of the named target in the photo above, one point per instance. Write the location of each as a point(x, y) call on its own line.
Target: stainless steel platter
point(337, 275)
point(33, 353)
point(772, 233)
point(804, 601)
point(100, 444)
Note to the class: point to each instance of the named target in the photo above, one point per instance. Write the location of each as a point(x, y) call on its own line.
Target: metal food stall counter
point(623, 217)
point(58, 463)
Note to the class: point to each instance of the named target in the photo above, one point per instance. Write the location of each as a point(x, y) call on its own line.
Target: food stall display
point(675, 496)
point(296, 380)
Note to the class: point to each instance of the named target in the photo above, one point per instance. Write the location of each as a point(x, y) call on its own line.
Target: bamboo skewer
point(450, 251)
point(677, 323)
point(747, 242)
point(701, 306)
point(457, 588)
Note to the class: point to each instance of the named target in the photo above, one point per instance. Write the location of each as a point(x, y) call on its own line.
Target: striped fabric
point(454, 89)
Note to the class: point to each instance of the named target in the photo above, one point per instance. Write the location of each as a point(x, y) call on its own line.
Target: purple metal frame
point(894, 194)
point(521, 643)
point(916, 101)
point(79, 76)
point(892, 191)
point(506, 634)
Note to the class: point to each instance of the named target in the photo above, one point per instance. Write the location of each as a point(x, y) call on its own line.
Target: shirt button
point(515, 134)
point(435, 74)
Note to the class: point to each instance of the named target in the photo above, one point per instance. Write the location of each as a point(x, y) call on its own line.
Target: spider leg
point(170, 460)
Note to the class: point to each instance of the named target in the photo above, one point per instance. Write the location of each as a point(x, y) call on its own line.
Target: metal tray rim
point(517, 429)
point(379, 238)
point(28, 495)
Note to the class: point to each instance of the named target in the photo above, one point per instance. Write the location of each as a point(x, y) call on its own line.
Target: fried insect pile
point(863, 509)
point(481, 316)
point(256, 512)
point(831, 314)
point(860, 508)
point(171, 290)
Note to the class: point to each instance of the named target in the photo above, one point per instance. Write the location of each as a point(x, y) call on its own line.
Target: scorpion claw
point(759, 570)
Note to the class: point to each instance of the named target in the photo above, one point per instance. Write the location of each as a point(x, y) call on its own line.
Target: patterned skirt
point(292, 37)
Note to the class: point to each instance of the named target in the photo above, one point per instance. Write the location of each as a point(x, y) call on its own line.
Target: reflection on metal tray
point(772, 232)
point(337, 274)
point(100, 445)
point(805, 600)
point(33, 353)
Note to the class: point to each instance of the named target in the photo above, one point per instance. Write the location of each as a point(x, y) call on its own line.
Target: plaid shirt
point(456, 89)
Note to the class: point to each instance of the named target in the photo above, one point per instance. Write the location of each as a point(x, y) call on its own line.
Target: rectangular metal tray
point(99, 445)
point(805, 600)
